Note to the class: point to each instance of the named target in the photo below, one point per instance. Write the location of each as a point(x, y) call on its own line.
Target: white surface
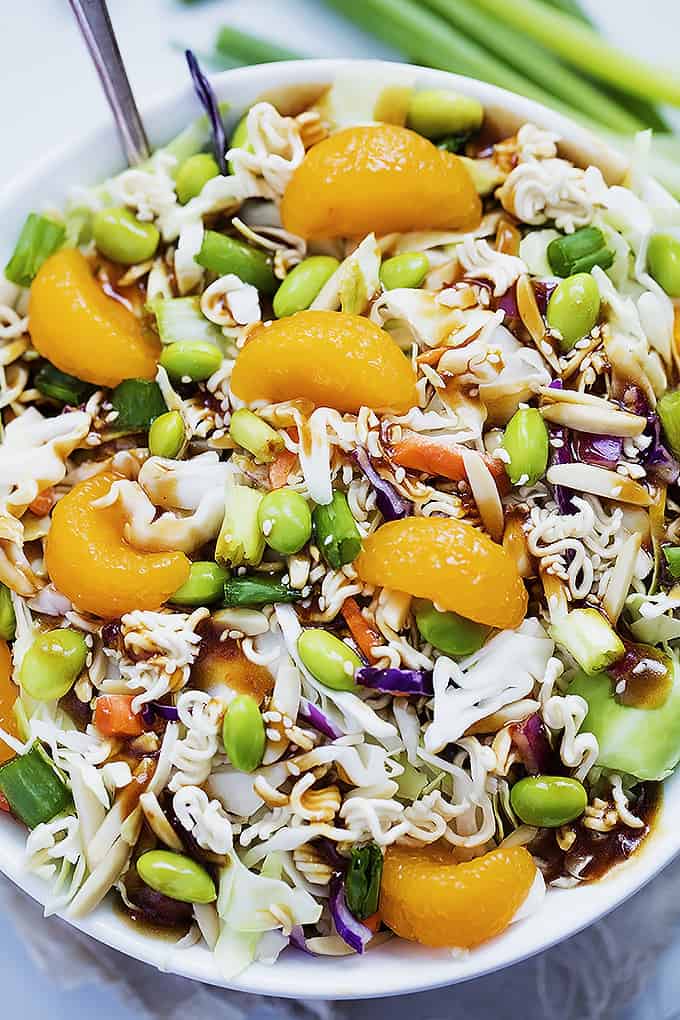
point(397, 966)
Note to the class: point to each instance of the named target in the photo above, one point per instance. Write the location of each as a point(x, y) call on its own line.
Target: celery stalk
point(541, 66)
point(580, 46)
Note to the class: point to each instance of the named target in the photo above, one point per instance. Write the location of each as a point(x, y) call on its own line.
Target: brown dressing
point(642, 678)
point(593, 853)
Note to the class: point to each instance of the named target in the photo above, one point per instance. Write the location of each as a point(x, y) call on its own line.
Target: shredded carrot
point(432, 356)
point(440, 457)
point(373, 922)
point(363, 633)
point(43, 502)
point(280, 469)
point(4, 803)
point(113, 716)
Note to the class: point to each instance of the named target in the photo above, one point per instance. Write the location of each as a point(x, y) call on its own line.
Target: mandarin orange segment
point(90, 562)
point(427, 897)
point(79, 329)
point(331, 358)
point(451, 563)
point(8, 695)
point(381, 178)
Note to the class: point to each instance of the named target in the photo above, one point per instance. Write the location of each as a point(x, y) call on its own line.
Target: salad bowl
point(395, 967)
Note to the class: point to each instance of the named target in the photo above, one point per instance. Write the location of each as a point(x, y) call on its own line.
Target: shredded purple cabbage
point(543, 290)
point(353, 932)
point(660, 464)
point(508, 303)
point(316, 718)
point(530, 737)
point(329, 850)
point(390, 503)
point(298, 940)
point(396, 681)
point(208, 99)
point(601, 451)
point(561, 455)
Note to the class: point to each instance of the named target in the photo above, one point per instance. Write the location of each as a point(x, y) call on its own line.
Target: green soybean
point(436, 112)
point(52, 664)
point(336, 532)
point(548, 801)
point(193, 174)
point(526, 443)
point(223, 254)
point(204, 585)
point(285, 520)
point(447, 631)
point(663, 259)
point(176, 876)
point(166, 435)
point(406, 270)
point(328, 659)
point(8, 619)
point(193, 360)
point(122, 237)
point(668, 409)
point(255, 435)
point(244, 734)
point(574, 308)
point(302, 284)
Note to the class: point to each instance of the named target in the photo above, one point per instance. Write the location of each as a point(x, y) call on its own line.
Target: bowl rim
point(385, 971)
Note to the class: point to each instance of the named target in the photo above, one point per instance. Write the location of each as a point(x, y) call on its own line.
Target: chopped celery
point(138, 402)
point(51, 382)
point(240, 541)
point(589, 638)
point(253, 590)
point(644, 742)
point(34, 787)
point(8, 619)
point(39, 238)
point(579, 252)
point(182, 319)
point(255, 435)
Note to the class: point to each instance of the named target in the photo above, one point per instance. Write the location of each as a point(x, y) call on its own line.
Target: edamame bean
point(663, 259)
point(436, 112)
point(285, 520)
point(122, 237)
point(7, 617)
point(255, 435)
point(574, 308)
point(222, 254)
point(302, 284)
point(166, 435)
point(193, 174)
point(191, 360)
point(548, 801)
point(406, 270)
point(526, 443)
point(176, 876)
point(668, 409)
point(243, 733)
point(239, 139)
point(52, 664)
point(204, 585)
point(449, 632)
point(328, 659)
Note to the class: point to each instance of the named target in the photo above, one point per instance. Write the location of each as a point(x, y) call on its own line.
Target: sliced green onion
point(258, 591)
point(240, 540)
point(335, 532)
point(34, 787)
point(138, 402)
point(251, 49)
point(51, 382)
point(255, 436)
point(589, 637)
point(579, 252)
point(528, 58)
point(672, 557)
point(582, 47)
point(8, 620)
point(222, 254)
point(39, 238)
point(182, 319)
point(362, 881)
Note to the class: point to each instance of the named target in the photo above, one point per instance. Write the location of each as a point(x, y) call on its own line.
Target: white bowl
point(396, 967)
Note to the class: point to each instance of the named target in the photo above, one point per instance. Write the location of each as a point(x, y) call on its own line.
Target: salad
point(339, 547)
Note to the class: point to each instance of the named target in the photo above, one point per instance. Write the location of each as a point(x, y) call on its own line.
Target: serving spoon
point(95, 24)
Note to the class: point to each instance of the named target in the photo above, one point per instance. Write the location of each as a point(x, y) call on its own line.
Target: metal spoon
point(95, 24)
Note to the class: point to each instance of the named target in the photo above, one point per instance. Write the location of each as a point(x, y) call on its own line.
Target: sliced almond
point(621, 578)
point(515, 712)
point(599, 482)
point(556, 596)
point(158, 821)
point(550, 395)
point(515, 543)
point(530, 315)
point(604, 420)
point(485, 492)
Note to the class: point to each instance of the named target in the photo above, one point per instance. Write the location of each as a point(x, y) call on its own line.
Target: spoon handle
point(95, 24)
